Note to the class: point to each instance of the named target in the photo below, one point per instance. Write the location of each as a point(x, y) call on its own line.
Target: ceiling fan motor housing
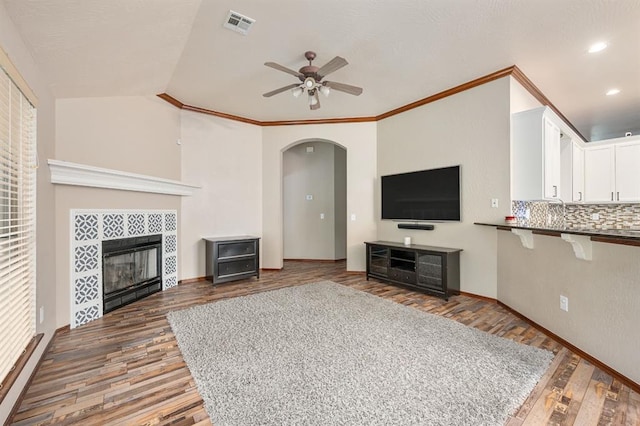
point(309, 71)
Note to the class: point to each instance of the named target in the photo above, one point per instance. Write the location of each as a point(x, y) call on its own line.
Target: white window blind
point(17, 223)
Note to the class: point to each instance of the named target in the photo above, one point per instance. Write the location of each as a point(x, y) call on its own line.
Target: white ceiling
point(399, 51)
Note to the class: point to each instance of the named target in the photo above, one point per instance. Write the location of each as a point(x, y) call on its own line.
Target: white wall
point(135, 134)
point(309, 173)
point(359, 139)
point(520, 98)
point(603, 294)
point(224, 157)
point(17, 51)
point(470, 128)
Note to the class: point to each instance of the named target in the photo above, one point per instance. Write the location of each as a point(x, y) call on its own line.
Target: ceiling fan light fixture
point(309, 83)
point(312, 99)
point(296, 92)
point(325, 90)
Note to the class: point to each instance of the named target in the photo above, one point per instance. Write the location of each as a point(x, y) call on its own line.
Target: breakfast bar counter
point(603, 235)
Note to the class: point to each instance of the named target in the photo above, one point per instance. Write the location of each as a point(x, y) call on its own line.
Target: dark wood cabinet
point(434, 270)
point(232, 258)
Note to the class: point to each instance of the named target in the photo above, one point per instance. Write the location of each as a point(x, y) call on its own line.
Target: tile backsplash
point(576, 216)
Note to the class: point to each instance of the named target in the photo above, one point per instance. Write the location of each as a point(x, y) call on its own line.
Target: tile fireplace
point(139, 248)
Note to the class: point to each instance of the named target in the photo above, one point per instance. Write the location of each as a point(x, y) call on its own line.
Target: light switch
point(494, 203)
point(321, 215)
point(353, 216)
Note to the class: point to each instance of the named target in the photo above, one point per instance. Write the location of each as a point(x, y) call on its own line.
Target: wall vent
point(238, 22)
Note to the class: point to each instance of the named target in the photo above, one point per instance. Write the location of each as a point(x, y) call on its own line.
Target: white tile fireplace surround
point(89, 228)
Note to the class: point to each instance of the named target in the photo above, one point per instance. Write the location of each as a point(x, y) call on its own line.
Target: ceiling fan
point(311, 80)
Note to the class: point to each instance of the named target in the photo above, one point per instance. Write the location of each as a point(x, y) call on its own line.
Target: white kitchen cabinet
point(577, 162)
point(599, 174)
point(627, 172)
point(612, 173)
point(551, 136)
point(572, 170)
point(536, 158)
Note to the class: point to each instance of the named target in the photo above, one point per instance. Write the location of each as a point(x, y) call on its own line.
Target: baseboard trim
point(316, 260)
point(477, 296)
point(18, 402)
point(624, 379)
point(191, 280)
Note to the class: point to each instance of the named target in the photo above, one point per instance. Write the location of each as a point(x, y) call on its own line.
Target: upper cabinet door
point(551, 159)
point(577, 160)
point(627, 172)
point(536, 156)
point(599, 175)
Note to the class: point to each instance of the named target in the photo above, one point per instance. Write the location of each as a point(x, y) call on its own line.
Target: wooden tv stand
point(434, 270)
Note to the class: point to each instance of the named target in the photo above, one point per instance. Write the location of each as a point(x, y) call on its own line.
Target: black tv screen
point(424, 195)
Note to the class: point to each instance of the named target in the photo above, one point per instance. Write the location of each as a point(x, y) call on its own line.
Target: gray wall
point(471, 128)
point(306, 234)
point(603, 294)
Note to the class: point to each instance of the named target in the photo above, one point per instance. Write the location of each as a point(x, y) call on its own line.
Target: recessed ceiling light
point(597, 47)
point(612, 92)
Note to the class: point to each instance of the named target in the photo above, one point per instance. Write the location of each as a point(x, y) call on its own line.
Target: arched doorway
point(314, 195)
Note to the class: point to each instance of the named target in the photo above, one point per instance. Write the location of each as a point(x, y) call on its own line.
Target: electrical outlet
point(564, 303)
point(494, 203)
point(595, 216)
point(41, 314)
point(321, 215)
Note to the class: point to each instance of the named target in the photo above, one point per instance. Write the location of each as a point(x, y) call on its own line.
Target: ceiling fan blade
point(317, 104)
point(341, 87)
point(284, 69)
point(280, 90)
point(331, 66)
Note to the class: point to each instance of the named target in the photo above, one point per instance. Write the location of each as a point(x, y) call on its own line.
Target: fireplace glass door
point(122, 271)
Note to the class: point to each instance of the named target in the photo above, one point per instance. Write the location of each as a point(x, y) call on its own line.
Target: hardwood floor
point(126, 368)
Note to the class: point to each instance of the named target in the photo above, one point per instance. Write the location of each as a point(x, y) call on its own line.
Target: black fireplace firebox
point(131, 270)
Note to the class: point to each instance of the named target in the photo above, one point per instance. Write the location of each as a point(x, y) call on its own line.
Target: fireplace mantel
point(67, 173)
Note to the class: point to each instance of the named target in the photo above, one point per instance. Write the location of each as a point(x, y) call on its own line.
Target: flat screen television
point(429, 195)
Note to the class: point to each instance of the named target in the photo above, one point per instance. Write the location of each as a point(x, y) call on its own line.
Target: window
point(17, 222)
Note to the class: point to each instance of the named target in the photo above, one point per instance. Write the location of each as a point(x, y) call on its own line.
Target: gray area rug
point(326, 354)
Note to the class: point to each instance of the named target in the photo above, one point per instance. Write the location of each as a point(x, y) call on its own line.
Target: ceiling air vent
point(238, 22)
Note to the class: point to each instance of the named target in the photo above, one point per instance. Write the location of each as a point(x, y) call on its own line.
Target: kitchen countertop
point(615, 236)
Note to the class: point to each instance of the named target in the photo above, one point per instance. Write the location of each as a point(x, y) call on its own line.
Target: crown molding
point(512, 71)
point(67, 173)
point(450, 92)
